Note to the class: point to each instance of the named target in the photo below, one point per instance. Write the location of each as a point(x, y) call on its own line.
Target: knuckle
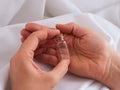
point(73, 25)
point(18, 57)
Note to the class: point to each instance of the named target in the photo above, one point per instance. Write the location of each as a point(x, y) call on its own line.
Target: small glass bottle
point(62, 48)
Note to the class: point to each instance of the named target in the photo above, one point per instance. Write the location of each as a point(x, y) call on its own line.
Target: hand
point(91, 56)
point(25, 74)
point(89, 52)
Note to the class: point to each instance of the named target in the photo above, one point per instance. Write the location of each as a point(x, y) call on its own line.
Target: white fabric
point(112, 14)
point(29, 10)
point(8, 9)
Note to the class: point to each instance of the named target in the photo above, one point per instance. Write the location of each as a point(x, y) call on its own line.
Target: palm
point(88, 56)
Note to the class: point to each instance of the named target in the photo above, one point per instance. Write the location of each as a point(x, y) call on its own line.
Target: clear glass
point(62, 50)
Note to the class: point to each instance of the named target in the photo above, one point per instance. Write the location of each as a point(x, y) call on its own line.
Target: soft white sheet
point(8, 9)
point(111, 13)
point(34, 10)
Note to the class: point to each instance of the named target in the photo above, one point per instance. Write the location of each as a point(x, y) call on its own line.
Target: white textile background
point(87, 13)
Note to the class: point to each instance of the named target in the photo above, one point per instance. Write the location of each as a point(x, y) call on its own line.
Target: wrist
point(112, 77)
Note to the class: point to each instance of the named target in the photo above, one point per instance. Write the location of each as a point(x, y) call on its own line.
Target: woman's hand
point(25, 74)
point(90, 53)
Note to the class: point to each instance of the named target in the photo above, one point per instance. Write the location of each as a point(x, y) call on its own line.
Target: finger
point(31, 27)
point(23, 39)
point(44, 48)
point(34, 27)
point(25, 33)
point(49, 44)
point(47, 59)
point(73, 29)
point(51, 51)
point(61, 69)
point(40, 51)
point(31, 43)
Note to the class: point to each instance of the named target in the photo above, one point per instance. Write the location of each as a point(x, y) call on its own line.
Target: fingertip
point(53, 33)
point(22, 32)
point(61, 67)
point(64, 28)
point(65, 63)
point(58, 26)
point(29, 26)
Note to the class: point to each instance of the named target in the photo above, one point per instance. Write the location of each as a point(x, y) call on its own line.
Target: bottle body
point(62, 50)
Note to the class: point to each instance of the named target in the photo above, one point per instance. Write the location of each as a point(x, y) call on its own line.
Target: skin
point(90, 54)
point(25, 74)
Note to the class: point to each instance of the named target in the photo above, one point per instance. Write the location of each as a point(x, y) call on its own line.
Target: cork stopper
point(59, 37)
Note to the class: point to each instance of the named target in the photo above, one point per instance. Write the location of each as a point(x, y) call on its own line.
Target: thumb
point(72, 28)
point(65, 28)
point(61, 69)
